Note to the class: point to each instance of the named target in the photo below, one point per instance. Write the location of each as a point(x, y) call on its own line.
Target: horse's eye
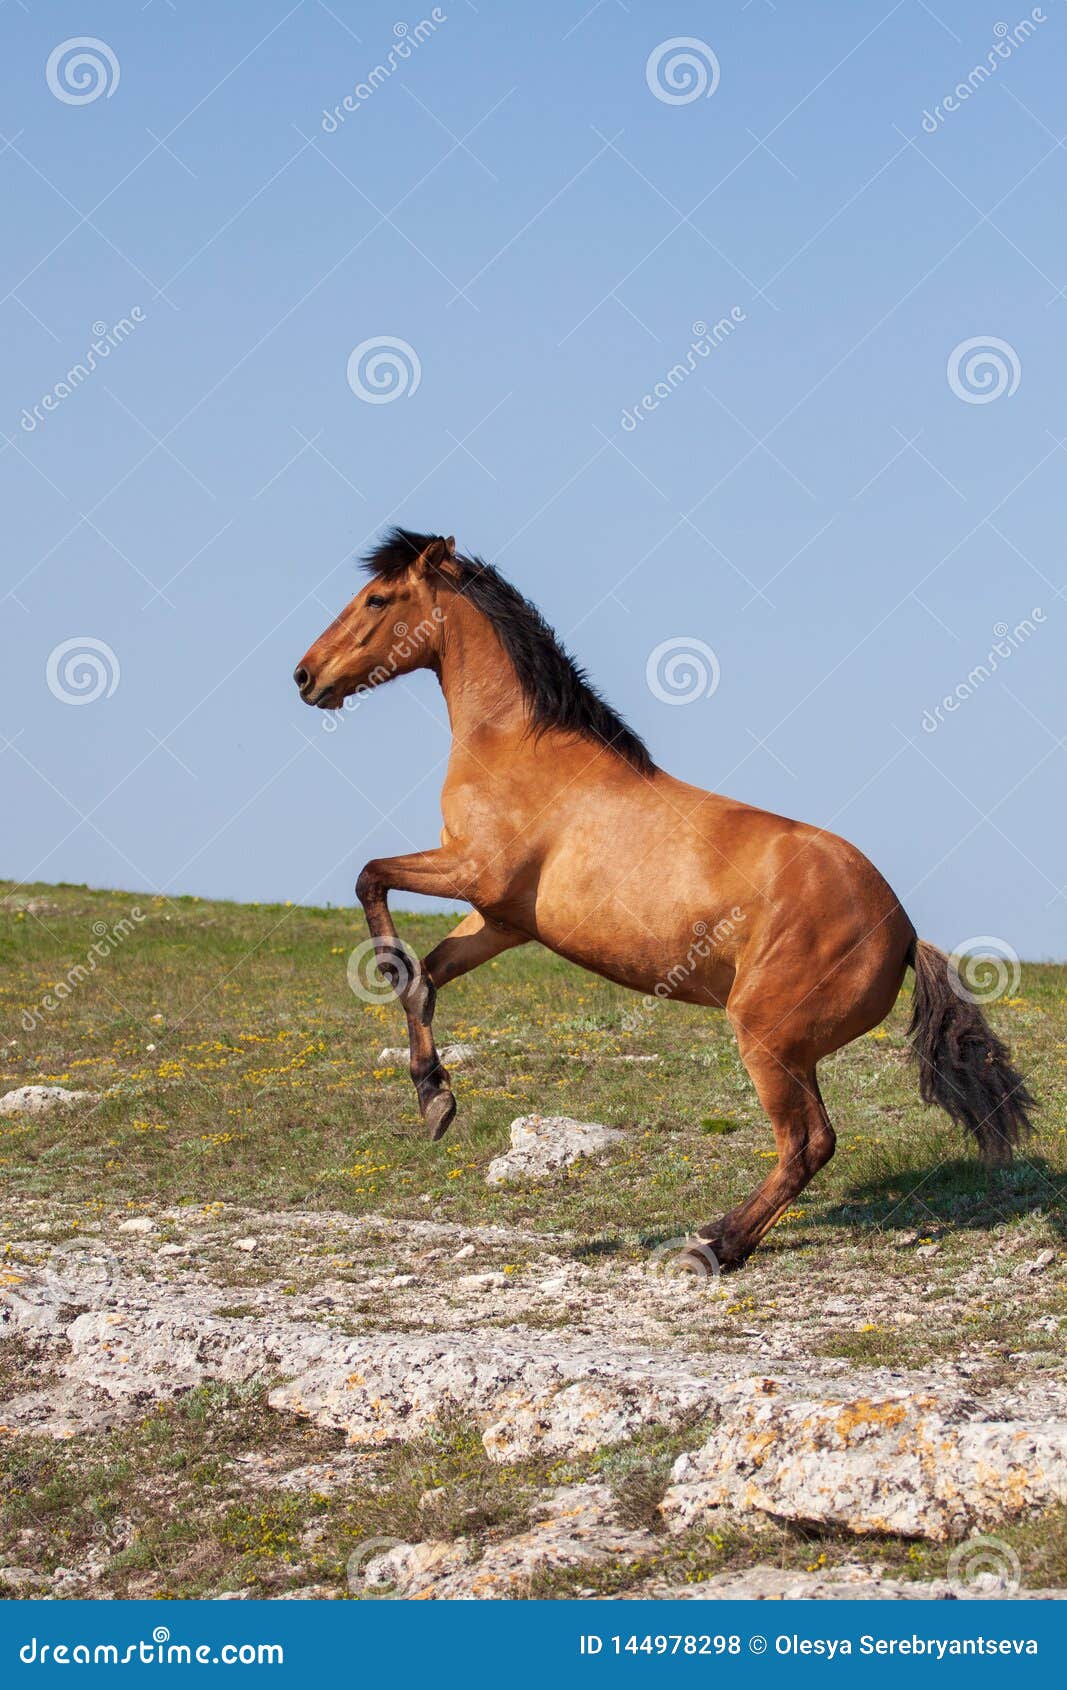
point(375, 602)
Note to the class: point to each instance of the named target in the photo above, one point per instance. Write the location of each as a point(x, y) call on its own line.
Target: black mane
point(555, 688)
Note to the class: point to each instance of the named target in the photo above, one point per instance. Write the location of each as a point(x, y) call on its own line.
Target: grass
point(237, 1063)
point(202, 1529)
point(237, 1067)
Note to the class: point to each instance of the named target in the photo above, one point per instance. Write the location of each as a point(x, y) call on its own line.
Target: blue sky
point(828, 501)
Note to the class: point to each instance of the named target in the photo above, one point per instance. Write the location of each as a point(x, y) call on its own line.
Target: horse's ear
point(439, 558)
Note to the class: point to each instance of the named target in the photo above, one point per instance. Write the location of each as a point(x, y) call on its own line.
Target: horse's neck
point(481, 688)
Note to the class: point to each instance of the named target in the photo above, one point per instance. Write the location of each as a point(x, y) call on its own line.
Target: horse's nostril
point(302, 678)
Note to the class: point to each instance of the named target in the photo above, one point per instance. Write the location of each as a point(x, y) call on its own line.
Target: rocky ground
point(379, 1332)
point(260, 1337)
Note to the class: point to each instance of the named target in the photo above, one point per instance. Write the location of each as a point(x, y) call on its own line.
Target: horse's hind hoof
point(698, 1260)
point(440, 1113)
point(715, 1240)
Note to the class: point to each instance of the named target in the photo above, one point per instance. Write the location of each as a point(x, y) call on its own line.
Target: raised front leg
point(444, 875)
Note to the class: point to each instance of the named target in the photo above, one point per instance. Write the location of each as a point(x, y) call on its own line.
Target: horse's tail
point(963, 1065)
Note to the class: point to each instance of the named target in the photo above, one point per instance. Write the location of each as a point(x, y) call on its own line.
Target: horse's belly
point(628, 893)
point(689, 960)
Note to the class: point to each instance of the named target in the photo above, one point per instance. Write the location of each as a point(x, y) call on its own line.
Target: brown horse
point(559, 827)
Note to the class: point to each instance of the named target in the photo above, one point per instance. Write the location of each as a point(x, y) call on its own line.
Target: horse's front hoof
point(440, 1113)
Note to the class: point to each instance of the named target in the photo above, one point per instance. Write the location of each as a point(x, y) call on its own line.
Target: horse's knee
point(368, 886)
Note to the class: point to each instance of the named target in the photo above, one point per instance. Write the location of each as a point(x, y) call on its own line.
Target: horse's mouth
point(327, 697)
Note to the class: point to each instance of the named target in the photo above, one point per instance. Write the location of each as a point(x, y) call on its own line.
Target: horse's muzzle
point(310, 692)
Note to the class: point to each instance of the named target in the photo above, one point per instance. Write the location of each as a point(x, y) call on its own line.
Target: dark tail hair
point(963, 1066)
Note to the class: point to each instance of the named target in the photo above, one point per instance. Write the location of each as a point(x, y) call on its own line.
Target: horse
point(559, 828)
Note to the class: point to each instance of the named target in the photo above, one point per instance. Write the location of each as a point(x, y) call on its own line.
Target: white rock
point(859, 1453)
point(453, 1056)
point(482, 1281)
point(138, 1223)
point(543, 1145)
point(551, 1287)
point(173, 1250)
point(573, 1527)
point(846, 1583)
point(528, 1399)
point(400, 1280)
point(464, 1254)
point(39, 1100)
point(903, 1464)
point(246, 1244)
point(405, 1568)
point(21, 1576)
point(145, 1342)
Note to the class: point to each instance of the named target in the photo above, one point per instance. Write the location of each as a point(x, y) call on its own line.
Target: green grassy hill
point(237, 1064)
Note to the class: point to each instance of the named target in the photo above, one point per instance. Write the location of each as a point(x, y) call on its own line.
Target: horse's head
point(391, 627)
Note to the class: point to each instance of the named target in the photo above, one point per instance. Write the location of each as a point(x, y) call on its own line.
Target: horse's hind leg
point(785, 1082)
point(471, 942)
